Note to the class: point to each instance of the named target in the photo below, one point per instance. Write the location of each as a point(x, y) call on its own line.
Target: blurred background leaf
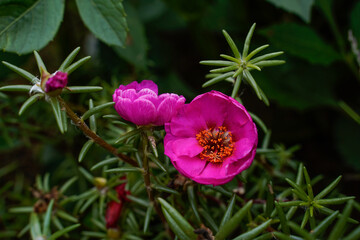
point(105, 19)
point(301, 41)
point(302, 8)
point(23, 27)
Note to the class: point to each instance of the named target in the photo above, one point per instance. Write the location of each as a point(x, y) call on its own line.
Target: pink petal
point(166, 110)
point(213, 181)
point(129, 93)
point(145, 92)
point(236, 118)
point(242, 148)
point(148, 84)
point(247, 130)
point(122, 106)
point(189, 166)
point(186, 147)
point(183, 124)
point(236, 167)
point(142, 112)
point(211, 107)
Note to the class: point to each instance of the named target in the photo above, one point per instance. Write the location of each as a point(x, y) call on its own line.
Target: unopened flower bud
point(56, 82)
point(113, 233)
point(100, 182)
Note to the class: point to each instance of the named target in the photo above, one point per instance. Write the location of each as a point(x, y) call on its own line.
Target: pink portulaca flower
point(212, 139)
point(57, 81)
point(140, 103)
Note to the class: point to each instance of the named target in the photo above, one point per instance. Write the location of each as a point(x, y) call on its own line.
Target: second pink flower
point(140, 103)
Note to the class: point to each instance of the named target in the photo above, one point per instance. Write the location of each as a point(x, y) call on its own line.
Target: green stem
point(147, 182)
point(92, 135)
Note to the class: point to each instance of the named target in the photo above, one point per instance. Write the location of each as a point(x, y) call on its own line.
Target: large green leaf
point(29, 25)
point(301, 41)
point(136, 45)
point(105, 19)
point(302, 8)
point(355, 21)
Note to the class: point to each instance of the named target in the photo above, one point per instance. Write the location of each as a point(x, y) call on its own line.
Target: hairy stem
point(93, 136)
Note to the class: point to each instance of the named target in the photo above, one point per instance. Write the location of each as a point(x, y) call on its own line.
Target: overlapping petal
point(140, 103)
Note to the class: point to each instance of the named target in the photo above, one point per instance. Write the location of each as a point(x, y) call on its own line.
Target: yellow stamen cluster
point(217, 143)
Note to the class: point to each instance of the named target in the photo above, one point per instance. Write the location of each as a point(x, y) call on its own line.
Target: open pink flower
point(140, 103)
point(212, 139)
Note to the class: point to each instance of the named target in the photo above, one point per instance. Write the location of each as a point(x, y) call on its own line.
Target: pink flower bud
point(113, 209)
point(140, 103)
point(56, 81)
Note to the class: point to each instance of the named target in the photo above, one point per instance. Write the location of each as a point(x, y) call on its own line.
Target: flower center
point(217, 143)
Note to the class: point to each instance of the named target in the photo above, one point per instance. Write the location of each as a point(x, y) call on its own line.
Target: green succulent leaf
point(39, 62)
point(129, 134)
point(22, 72)
point(67, 184)
point(282, 217)
point(328, 189)
point(47, 218)
point(217, 79)
point(233, 222)
point(176, 221)
point(57, 113)
point(249, 78)
point(248, 40)
point(86, 174)
point(76, 65)
point(124, 170)
point(21, 209)
point(209, 220)
point(86, 147)
point(324, 224)
point(82, 89)
point(16, 88)
point(165, 189)
point(302, 232)
point(218, 63)
point(339, 227)
point(265, 57)
point(35, 228)
point(104, 163)
point(147, 218)
point(30, 101)
point(96, 109)
point(254, 232)
point(63, 231)
point(193, 204)
point(232, 45)
point(334, 200)
point(69, 59)
point(228, 212)
point(354, 235)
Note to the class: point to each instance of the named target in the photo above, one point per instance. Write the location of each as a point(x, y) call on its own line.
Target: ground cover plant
point(133, 135)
